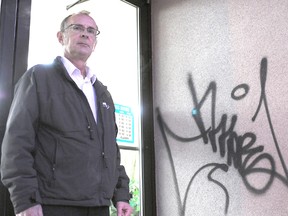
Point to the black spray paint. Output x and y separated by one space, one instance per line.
241 150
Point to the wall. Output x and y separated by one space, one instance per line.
220 96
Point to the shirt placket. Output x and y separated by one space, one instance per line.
87 89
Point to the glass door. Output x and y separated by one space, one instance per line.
115 60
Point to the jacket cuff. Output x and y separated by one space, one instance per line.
26 202
121 195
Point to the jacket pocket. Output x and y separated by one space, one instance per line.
46 159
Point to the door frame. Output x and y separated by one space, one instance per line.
14 48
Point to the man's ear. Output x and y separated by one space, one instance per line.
60 37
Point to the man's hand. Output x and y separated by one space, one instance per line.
124 209
33 211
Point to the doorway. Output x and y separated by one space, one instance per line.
122 59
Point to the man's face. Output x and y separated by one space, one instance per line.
77 44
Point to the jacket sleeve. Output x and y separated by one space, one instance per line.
121 192
18 146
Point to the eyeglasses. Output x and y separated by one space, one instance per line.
78 28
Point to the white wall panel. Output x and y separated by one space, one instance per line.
221 44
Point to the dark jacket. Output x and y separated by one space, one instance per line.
53 152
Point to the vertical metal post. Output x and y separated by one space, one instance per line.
14 39
8 18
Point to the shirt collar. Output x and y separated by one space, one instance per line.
71 69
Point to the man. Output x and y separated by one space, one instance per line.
59 152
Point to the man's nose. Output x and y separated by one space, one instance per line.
84 34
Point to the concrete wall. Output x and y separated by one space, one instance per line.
220 93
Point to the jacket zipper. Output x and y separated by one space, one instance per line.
90 129
54 162
100 105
